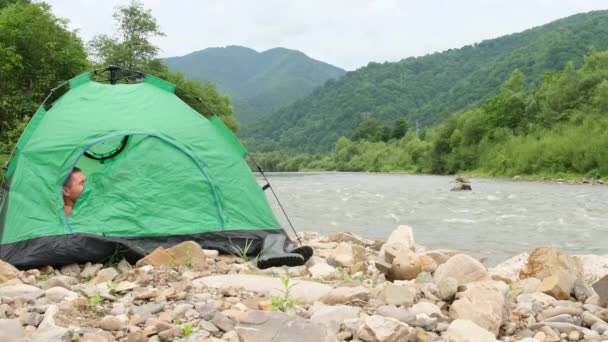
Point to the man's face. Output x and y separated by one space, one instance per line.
74 186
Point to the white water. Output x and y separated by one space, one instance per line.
498 219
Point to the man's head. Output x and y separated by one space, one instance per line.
74 185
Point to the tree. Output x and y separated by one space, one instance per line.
400 129
37 53
131 48
371 130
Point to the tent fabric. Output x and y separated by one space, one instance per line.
179 174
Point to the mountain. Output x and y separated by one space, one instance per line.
428 88
258 82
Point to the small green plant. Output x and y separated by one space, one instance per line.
112 285
177 322
286 301
95 300
241 252
114 259
187 329
43 277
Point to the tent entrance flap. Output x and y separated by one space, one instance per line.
152 186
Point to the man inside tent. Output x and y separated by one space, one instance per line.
72 189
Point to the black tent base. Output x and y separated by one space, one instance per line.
80 248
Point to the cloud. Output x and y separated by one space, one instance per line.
346 33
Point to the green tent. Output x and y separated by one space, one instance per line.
158 173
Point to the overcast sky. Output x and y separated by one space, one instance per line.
346 33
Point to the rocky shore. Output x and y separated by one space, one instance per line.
352 289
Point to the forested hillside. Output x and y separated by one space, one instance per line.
427 88
258 82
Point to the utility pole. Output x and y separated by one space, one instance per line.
417 129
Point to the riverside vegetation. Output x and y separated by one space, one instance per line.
352 289
558 130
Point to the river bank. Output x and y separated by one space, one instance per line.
352 289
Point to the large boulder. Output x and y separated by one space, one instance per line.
483 303
462 268
557 271
462 330
7 272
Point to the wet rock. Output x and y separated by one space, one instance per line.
59 294
10 330
461 330
398 295
347 295
463 269
482 303
333 316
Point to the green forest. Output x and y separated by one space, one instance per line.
558 129
428 88
38 52
258 83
